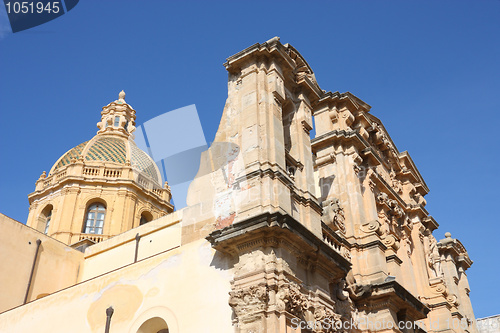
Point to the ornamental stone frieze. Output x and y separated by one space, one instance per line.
254 305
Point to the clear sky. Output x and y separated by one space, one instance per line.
430 71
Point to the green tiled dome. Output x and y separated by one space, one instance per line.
107 149
73 153
113 149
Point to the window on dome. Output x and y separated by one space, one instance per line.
117 121
47 223
44 219
95 219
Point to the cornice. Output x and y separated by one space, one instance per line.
92 182
381 294
304 76
276 230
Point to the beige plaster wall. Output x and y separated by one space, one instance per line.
57 265
182 286
156 236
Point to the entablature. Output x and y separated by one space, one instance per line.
279 230
392 294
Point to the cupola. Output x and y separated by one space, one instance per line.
101 187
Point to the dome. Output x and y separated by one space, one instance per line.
113 144
111 149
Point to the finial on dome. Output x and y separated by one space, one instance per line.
447 235
121 95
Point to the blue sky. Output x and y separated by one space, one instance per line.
430 71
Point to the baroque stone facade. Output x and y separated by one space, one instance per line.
282 232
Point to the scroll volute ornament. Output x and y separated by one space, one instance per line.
391 241
438 287
369 227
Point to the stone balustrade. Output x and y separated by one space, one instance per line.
81 170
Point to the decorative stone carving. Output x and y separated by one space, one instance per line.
357 170
246 302
453 299
396 183
371 226
333 214
395 209
390 241
346 253
408 244
341 293
290 298
372 185
324 315
438 286
433 258
382 198
419 199
421 233
356 290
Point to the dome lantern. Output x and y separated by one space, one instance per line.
118 118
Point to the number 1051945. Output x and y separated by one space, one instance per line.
32 7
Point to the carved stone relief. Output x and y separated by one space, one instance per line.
250 303
419 199
247 302
396 183
433 259
290 298
333 214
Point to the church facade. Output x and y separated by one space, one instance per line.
282 232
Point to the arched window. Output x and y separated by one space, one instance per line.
47 223
94 219
44 219
145 218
